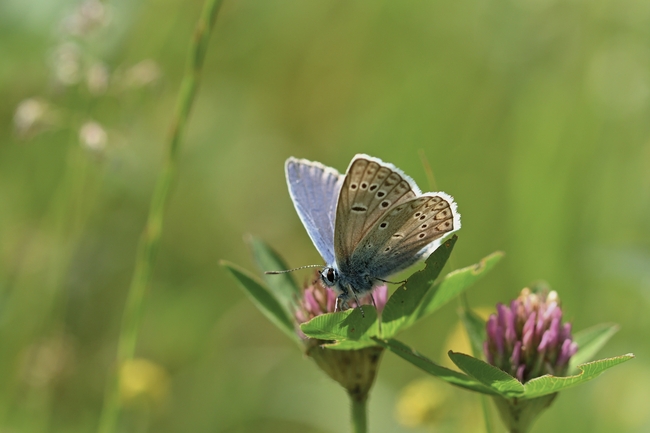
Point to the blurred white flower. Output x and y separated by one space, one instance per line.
93 137
97 78
142 74
32 116
44 362
66 63
90 15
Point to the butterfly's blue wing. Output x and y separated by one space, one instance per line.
314 190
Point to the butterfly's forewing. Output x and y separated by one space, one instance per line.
314 190
406 233
369 189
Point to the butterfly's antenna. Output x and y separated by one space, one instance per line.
427 170
291 270
391 282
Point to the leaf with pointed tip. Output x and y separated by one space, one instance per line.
397 318
551 384
509 387
262 298
489 375
424 363
475 327
590 341
456 282
406 299
344 325
283 286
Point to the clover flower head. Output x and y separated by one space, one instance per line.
527 338
318 299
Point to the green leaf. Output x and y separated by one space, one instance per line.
422 362
509 387
406 299
590 341
452 285
456 282
344 325
551 384
265 302
489 375
283 286
475 327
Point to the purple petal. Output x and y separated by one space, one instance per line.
528 331
569 348
331 301
300 316
499 340
491 328
520 372
381 296
488 354
554 331
565 332
311 304
516 354
502 313
546 341
510 332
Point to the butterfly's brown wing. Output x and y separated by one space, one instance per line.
370 188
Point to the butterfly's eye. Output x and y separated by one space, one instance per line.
329 276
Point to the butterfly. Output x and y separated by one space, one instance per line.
368 224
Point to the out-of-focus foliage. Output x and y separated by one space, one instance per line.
533 114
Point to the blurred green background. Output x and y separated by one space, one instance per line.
532 113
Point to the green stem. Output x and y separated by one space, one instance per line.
463 301
486 414
150 238
359 414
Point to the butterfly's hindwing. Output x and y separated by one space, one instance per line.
369 189
407 231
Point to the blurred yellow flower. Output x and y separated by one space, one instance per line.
421 402
141 378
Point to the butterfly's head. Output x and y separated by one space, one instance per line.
329 276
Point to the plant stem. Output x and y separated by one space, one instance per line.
486 414
359 414
150 238
463 301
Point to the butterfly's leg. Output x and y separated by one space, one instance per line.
357 299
